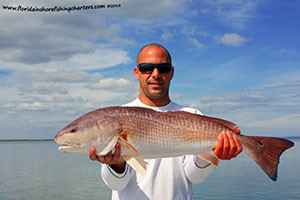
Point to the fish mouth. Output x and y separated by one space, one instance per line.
65 147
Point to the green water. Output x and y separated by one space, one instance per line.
36 170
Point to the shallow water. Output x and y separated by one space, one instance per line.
36 170
242 178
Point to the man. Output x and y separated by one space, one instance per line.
167 178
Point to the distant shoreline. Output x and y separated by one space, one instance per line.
26 140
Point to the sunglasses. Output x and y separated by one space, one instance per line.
148 68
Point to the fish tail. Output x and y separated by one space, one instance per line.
266 152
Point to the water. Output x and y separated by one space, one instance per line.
38 171
33 170
242 178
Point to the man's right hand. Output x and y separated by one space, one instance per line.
115 161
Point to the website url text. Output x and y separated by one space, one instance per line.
57 8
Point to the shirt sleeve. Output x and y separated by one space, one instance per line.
196 169
114 180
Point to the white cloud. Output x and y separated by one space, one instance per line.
232 39
41 38
42 88
63 105
166 35
35 106
89 105
113 84
231 104
58 86
53 61
285 122
176 96
45 37
67 99
54 75
232 13
8 105
58 91
196 43
100 59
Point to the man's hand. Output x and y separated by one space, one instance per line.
228 146
115 161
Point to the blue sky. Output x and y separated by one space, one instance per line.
238 60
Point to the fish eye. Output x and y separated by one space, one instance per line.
73 130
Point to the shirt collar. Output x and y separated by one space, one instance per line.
160 108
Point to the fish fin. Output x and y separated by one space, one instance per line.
211 158
109 147
267 153
226 123
125 144
138 164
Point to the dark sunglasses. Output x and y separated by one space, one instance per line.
148 68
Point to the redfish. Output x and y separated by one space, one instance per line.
144 133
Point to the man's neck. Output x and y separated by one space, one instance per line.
155 102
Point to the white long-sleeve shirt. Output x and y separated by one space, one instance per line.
166 178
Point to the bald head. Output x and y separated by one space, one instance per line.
153 50
154 86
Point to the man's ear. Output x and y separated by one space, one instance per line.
172 73
136 73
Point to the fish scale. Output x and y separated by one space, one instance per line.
145 133
177 129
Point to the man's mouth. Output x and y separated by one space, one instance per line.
155 83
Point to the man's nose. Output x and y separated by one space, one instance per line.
155 73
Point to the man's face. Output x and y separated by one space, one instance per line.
154 85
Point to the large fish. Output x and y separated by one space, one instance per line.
144 133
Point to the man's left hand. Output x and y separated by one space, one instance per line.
228 146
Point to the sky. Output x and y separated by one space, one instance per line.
236 60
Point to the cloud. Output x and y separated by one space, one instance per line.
283 122
196 43
97 59
166 34
231 13
271 99
45 37
35 106
70 63
90 106
43 89
54 75
283 125
41 38
72 86
56 91
114 85
232 39
232 103
176 96
141 10
67 98
100 59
